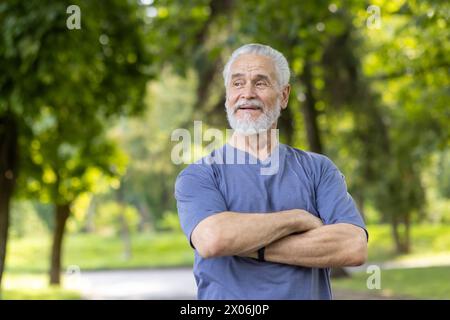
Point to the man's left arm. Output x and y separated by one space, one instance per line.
341 241
335 245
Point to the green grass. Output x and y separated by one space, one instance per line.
27 261
415 283
429 243
32 287
90 251
427 240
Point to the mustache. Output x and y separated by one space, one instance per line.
248 103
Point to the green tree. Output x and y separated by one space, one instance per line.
412 61
362 93
150 177
58 87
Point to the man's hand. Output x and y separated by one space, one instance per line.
233 233
335 245
306 222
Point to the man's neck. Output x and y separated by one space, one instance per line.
258 145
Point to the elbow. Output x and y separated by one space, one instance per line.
207 242
211 249
359 254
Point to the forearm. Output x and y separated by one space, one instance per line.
232 233
327 246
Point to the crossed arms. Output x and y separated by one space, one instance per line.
293 237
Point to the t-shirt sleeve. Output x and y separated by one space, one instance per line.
334 203
198 197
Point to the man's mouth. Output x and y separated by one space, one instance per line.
248 107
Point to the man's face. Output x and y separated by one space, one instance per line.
254 99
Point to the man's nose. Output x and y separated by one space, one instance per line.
249 91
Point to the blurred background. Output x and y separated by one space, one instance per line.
90 92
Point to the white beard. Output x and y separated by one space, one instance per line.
248 126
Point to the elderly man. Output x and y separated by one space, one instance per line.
266 236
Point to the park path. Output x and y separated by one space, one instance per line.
436 260
157 284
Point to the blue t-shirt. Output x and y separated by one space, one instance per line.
230 179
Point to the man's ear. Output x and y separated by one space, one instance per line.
285 96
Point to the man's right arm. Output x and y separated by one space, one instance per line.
232 233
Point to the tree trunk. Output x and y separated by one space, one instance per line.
407 240
359 199
286 126
309 111
125 234
404 246
395 233
124 229
402 240
62 213
89 226
312 132
145 217
8 174
4 224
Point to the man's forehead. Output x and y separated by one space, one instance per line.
253 63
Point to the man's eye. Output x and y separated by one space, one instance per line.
238 84
261 84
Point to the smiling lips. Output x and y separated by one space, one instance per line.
249 108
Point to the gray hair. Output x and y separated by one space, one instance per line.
281 64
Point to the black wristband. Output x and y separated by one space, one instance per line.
261 254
